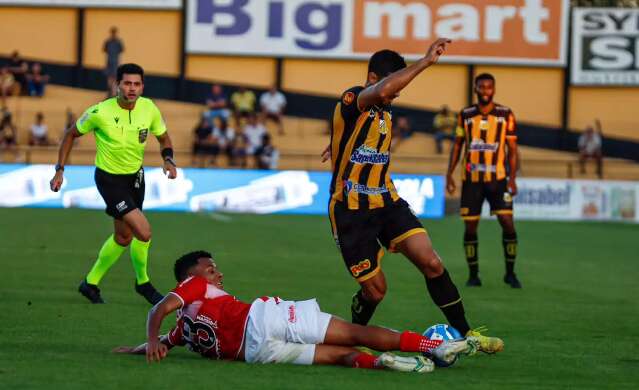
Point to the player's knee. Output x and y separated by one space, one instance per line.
144 235
123 239
374 294
430 263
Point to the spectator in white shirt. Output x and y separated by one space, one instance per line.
39 132
590 143
253 131
273 103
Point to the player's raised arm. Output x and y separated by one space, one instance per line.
390 86
155 349
63 154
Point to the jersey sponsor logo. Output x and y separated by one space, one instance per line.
142 135
368 155
121 206
383 129
363 189
480 168
348 98
479 145
291 314
360 267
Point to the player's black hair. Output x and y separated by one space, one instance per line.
182 265
129 69
385 62
484 76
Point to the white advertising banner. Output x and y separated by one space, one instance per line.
605 46
575 200
156 4
504 31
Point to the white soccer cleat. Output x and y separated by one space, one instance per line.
448 350
420 364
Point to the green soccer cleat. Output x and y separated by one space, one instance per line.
420 364
487 344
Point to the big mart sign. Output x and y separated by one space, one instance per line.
496 31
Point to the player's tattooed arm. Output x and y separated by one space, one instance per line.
155 349
389 87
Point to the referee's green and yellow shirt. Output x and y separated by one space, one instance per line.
121 134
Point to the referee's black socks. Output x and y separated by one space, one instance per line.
509 241
445 295
362 309
470 249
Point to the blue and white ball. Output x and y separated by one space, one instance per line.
442 332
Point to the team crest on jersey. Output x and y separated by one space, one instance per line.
142 135
348 98
360 267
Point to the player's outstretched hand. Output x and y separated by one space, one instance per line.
56 182
436 50
170 168
326 154
450 185
123 349
155 351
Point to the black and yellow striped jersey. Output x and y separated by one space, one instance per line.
485 142
360 146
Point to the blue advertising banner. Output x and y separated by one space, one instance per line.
207 190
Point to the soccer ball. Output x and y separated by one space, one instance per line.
442 332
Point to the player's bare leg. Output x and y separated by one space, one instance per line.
365 301
141 230
509 242
419 250
471 244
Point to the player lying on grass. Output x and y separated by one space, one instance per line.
271 330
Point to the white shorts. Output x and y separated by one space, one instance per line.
284 331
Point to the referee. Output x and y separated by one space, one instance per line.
121 126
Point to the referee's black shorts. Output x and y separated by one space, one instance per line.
121 193
360 234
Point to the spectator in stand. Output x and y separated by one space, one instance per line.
237 151
19 68
224 135
205 145
39 132
590 143
254 130
113 48
37 80
266 155
217 104
401 130
273 103
8 131
243 102
444 124
7 84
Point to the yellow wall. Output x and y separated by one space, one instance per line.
615 107
151 39
534 94
444 84
44 34
249 71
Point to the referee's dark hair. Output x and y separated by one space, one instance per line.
129 69
385 62
484 76
182 265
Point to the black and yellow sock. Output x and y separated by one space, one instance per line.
470 248
445 295
361 309
509 241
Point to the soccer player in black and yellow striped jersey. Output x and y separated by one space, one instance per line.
365 210
488 131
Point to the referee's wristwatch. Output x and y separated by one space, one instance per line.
59 167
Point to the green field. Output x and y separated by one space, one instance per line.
573 325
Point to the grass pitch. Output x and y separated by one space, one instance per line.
573 325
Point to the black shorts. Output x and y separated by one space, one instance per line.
360 234
473 195
121 193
